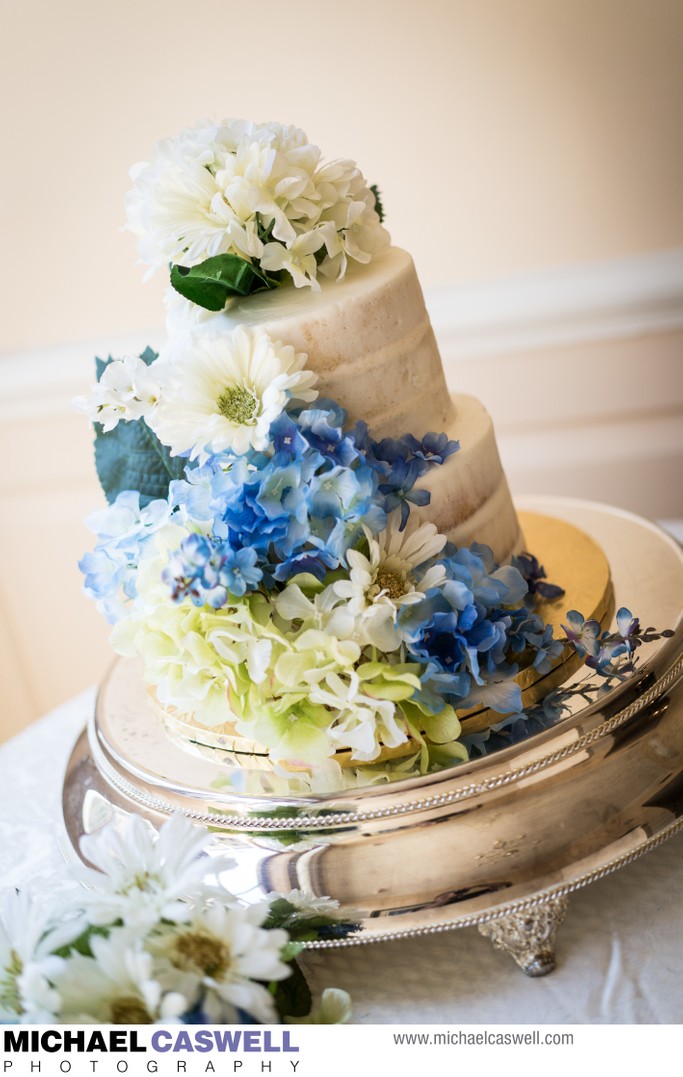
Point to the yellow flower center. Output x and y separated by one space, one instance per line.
9 991
195 951
391 582
238 405
129 1011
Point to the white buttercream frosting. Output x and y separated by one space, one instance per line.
369 340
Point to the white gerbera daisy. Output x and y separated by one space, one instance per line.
117 985
380 583
143 876
216 958
224 393
28 967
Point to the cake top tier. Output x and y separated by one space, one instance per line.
239 207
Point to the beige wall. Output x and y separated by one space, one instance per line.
506 134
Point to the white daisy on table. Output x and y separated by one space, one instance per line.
216 958
28 968
141 876
223 392
117 985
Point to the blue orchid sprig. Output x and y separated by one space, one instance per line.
535 575
610 654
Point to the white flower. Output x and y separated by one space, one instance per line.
28 968
117 985
143 877
215 959
307 904
124 523
364 723
173 207
128 390
380 583
298 258
224 393
255 190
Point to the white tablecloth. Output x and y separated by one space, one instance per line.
619 953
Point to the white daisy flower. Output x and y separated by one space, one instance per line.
384 580
128 390
28 968
224 393
216 958
117 985
143 876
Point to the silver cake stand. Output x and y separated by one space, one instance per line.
499 842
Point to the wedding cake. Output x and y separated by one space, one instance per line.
310 541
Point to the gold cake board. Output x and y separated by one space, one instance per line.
571 558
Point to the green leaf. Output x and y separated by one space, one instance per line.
217 279
81 945
378 202
131 457
292 996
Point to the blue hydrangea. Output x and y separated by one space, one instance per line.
209 572
123 530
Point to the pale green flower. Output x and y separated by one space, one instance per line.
294 729
333 1008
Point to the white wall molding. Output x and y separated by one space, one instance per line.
561 306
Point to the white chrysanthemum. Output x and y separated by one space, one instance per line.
224 393
117 985
216 958
142 876
173 207
380 583
248 189
28 968
128 389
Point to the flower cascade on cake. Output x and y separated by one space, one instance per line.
285 585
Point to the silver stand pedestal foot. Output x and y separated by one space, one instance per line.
529 937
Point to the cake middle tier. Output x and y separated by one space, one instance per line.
369 339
